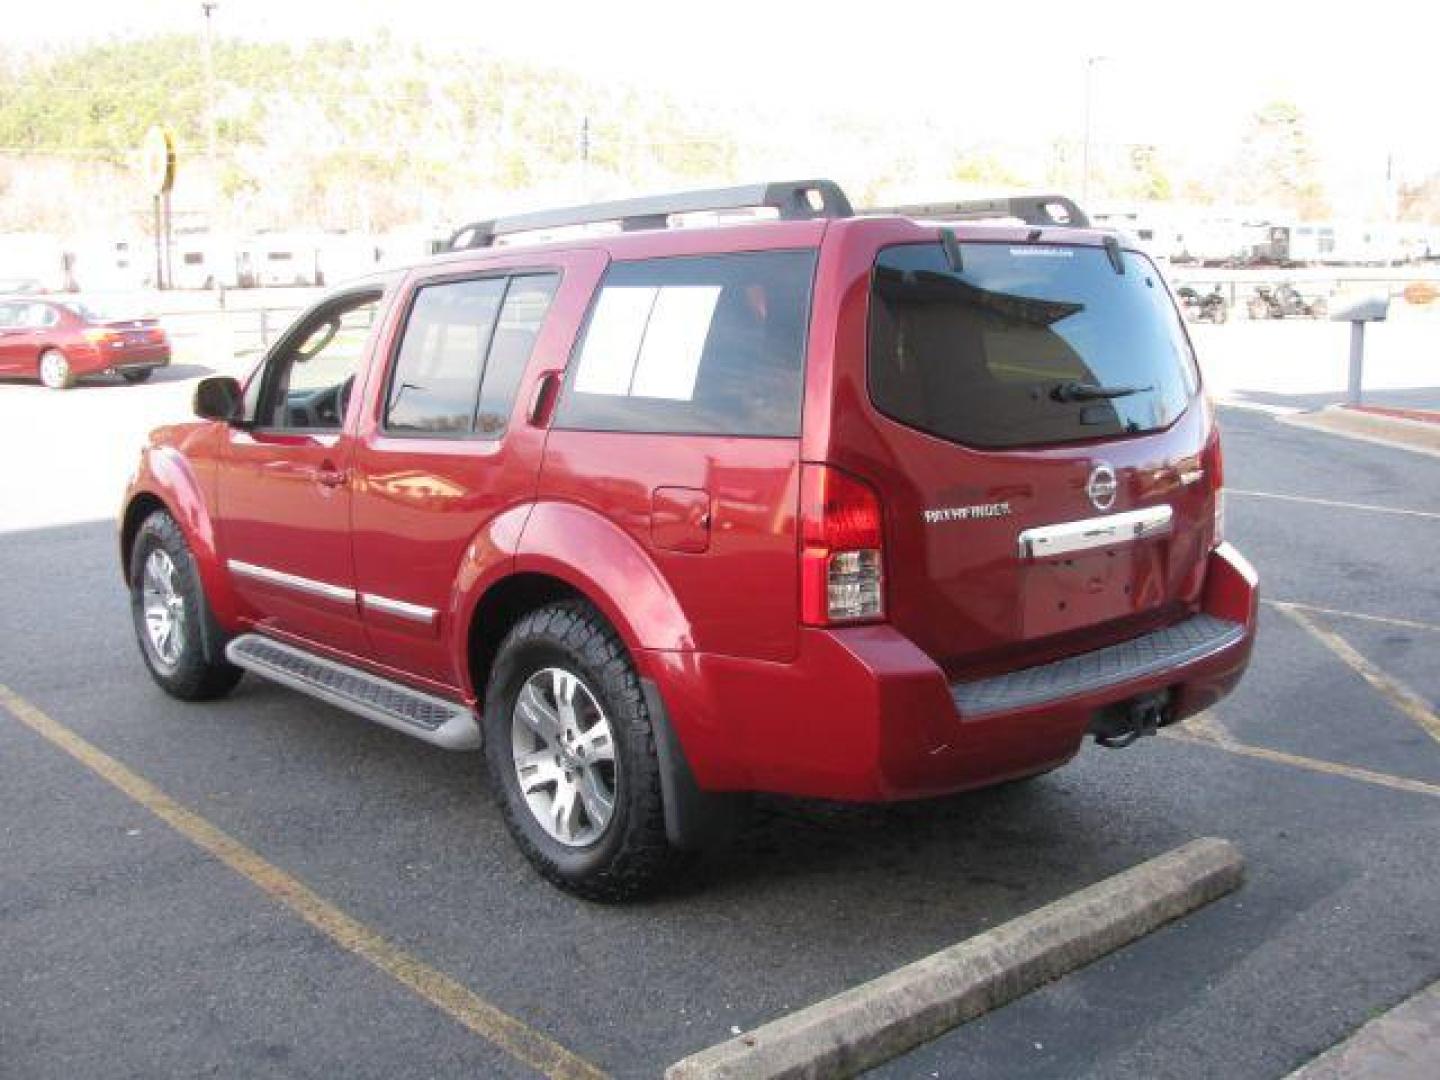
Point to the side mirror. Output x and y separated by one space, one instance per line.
218 398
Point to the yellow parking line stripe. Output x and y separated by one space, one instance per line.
1389 687
1329 768
1332 503
444 993
1385 620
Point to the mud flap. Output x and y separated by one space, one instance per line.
694 818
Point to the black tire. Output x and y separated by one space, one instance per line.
192 675
142 375
53 369
631 856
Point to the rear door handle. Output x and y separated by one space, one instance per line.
542 403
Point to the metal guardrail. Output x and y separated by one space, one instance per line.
251 329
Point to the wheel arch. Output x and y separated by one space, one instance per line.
552 551
141 505
166 481
501 606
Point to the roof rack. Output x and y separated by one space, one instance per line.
794 200
1039 210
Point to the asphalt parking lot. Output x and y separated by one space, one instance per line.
127 949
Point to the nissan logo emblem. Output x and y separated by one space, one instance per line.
1102 487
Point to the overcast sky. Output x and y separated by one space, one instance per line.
1175 74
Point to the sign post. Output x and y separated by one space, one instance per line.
1357 313
157 167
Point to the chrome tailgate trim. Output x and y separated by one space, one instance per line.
1087 534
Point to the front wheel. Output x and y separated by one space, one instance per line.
55 370
570 749
168 608
138 376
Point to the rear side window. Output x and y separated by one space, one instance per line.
526 301
708 345
1027 345
463 351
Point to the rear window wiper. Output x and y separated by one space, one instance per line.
1078 391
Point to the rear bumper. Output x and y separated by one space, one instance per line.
93 361
863 714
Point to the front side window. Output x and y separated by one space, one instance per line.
309 381
462 353
707 345
1025 345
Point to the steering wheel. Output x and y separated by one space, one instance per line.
320 408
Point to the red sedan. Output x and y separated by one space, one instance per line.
59 341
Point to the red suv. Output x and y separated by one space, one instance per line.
854 506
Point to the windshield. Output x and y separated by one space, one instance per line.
1027 345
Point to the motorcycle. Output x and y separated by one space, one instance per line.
1284 301
1207 307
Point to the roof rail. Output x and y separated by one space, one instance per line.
1039 210
794 200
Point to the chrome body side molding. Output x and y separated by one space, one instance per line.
401 609
338 593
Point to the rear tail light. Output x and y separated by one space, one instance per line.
102 339
841 559
1215 473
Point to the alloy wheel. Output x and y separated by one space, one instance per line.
564 753
164 607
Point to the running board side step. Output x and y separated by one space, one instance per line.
435 720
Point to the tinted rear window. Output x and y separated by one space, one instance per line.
707 345
1011 350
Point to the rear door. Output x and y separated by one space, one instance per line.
445 441
1043 433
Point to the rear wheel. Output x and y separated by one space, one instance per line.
137 376
570 749
169 611
55 370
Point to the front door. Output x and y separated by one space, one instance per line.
285 486
444 443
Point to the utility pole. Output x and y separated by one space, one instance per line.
585 159
1090 62
208 8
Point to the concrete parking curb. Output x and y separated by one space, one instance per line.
869 1024
1396 432
1401 1045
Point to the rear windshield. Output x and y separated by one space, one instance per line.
1026 345
103 312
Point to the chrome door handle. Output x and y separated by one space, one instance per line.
329 476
